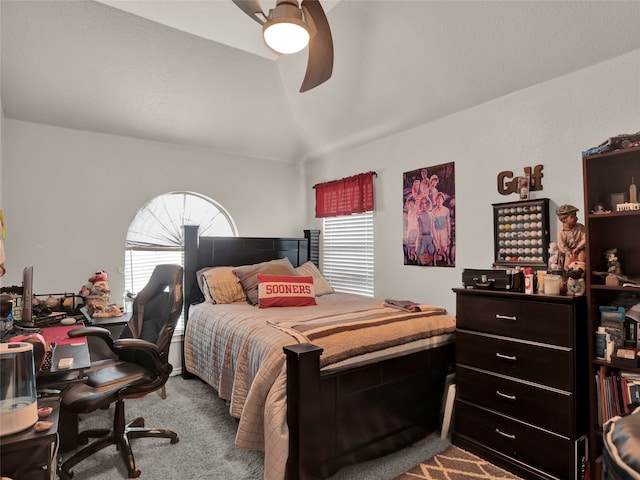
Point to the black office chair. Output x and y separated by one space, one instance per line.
621 447
144 368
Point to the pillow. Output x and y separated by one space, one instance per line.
247 275
221 285
201 285
320 284
285 291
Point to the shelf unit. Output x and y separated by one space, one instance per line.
603 175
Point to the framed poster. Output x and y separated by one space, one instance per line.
429 216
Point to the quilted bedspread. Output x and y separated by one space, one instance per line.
237 349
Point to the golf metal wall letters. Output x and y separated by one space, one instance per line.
507 183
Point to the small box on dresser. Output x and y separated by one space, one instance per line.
522 381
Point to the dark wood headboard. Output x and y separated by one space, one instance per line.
201 252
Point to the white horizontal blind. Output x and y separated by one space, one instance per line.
155 235
140 263
347 253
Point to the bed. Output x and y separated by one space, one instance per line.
304 387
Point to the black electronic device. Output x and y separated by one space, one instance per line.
490 279
27 295
87 317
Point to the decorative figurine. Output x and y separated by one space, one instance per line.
576 285
572 236
600 208
613 264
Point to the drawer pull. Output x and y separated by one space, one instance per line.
502 356
511 318
511 398
506 435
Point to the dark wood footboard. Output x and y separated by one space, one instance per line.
348 416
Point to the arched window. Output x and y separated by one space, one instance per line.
155 234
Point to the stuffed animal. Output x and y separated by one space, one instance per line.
576 285
97 295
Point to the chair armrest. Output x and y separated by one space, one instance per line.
97 332
82 331
153 357
135 344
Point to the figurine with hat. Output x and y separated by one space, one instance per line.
572 236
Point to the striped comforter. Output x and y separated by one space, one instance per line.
237 349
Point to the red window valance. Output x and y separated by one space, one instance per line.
346 196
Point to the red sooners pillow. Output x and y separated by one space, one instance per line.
285 291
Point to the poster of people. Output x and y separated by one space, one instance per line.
429 216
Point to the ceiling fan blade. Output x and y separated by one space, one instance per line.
253 9
320 64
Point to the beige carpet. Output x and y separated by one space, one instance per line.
456 464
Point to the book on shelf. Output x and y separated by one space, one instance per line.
616 392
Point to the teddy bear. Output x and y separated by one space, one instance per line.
576 285
97 294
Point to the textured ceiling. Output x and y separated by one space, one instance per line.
87 65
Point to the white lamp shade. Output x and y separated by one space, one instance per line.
285 36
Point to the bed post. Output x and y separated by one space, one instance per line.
189 282
314 246
303 411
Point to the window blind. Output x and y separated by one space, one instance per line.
347 253
139 265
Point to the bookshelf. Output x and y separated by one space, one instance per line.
604 176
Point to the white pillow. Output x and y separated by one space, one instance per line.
320 284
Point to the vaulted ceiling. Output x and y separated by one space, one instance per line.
196 73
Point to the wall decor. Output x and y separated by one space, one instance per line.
429 216
521 233
508 184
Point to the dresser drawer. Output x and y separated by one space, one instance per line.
537 321
533 362
549 452
543 407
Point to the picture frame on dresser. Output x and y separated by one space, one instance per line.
521 233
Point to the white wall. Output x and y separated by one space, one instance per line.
69 197
549 124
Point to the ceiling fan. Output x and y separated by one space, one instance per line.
308 22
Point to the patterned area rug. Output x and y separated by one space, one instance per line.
456 464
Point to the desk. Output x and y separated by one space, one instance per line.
29 455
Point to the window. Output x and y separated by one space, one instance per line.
347 253
155 234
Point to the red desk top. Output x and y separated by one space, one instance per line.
59 334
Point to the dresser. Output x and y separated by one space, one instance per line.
522 381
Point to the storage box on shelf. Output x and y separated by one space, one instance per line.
607 177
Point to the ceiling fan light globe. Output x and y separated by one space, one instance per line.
286 35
